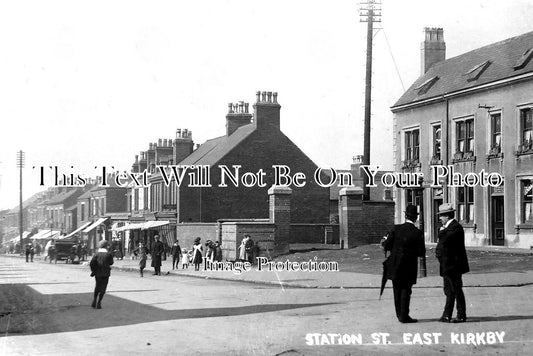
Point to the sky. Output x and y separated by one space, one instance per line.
85 84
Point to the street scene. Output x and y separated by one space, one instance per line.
266 178
48 312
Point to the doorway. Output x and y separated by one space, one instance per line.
435 218
497 221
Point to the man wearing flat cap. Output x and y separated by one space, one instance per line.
406 244
453 261
101 270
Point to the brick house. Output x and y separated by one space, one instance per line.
471 112
57 209
252 142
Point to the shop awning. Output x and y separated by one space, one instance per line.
40 234
150 224
95 224
47 234
79 229
17 239
58 236
132 226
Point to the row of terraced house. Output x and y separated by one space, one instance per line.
133 213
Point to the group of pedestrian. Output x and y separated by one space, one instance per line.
101 262
30 252
214 251
195 256
406 244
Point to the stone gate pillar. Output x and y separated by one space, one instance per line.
351 217
280 215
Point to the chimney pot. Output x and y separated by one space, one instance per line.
258 96
275 95
165 142
246 108
269 94
263 96
230 108
433 49
184 132
178 133
159 142
358 159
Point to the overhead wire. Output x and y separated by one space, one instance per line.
393 59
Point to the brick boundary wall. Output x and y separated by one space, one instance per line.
262 234
378 219
314 233
187 232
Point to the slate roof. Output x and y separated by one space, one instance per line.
72 207
62 197
88 194
452 73
212 151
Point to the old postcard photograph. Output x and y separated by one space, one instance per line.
266 177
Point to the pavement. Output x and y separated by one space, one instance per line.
330 279
325 279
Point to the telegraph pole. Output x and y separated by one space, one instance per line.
369 12
20 164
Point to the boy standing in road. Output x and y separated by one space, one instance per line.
101 270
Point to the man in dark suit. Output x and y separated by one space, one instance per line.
406 244
157 251
451 254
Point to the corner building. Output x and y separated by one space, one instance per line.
473 112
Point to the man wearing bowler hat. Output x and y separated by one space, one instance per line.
453 261
406 244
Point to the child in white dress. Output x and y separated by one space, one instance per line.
184 259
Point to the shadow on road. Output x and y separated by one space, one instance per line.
481 319
28 312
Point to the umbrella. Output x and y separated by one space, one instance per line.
384 276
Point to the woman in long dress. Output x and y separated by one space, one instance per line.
242 249
197 254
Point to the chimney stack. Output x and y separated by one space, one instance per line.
355 167
237 116
267 110
183 145
433 49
